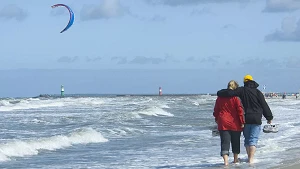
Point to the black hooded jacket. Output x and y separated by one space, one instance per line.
253 101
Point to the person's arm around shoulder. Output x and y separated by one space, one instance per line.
230 93
267 113
216 110
240 110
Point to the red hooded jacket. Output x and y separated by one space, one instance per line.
229 113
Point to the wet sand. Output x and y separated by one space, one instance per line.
295 164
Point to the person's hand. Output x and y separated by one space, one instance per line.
269 121
242 126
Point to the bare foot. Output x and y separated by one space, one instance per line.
250 161
236 161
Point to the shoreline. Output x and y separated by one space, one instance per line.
143 95
288 164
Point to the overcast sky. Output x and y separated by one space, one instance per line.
218 38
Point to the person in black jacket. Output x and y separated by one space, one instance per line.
255 106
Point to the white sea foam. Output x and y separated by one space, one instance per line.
29 147
25 104
155 111
163 131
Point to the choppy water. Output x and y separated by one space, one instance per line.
131 132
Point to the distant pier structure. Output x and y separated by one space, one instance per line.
159 91
62 90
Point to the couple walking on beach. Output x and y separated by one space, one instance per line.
240 109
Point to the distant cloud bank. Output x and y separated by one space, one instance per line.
13 12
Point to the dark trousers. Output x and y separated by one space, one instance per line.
227 137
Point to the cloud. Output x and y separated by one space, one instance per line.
202 11
13 12
147 60
170 58
292 62
260 63
112 9
152 60
282 5
290 31
175 3
59 11
154 18
120 60
191 59
229 26
210 60
144 60
108 9
90 59
67 59
158 18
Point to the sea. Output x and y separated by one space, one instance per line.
124 132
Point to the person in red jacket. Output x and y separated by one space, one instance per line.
229 115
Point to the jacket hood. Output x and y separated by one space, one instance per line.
251 84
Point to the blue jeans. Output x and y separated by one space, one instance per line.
251 134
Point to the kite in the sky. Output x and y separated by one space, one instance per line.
71 16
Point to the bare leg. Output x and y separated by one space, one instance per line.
251 152
247 150
236 159
225 157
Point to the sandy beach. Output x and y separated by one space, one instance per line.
289 165
296 166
